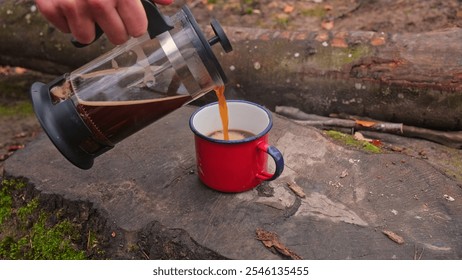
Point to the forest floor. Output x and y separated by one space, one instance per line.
18 125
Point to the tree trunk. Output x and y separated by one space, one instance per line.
415 79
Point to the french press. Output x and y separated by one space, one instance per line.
87 111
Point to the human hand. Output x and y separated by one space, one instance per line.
119 19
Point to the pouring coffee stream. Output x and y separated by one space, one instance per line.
223 108
89 110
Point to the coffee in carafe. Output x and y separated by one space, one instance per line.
86 112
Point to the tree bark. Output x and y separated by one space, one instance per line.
415 79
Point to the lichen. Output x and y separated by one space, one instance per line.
335 58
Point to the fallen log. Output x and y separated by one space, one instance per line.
414 79
408 78
451 139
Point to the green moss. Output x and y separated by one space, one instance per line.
317 12
350 141
20 108
43 243
13 184
6 202
336 58
25 212
6 199
327 58
27 232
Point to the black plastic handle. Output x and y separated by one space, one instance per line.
157 24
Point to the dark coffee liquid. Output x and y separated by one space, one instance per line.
114 121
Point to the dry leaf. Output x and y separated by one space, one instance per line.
365 123
288 9
376 143
344 174
339 43
327 24
393 236
378 41
19 70
322 36
360 137
271 240
328 7
296 189
14 148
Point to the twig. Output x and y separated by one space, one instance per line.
88 240
450 138
145 255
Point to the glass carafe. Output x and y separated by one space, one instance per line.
86 112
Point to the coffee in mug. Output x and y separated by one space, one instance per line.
233 134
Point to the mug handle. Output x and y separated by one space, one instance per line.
278 160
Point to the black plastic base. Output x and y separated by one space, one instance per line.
62 124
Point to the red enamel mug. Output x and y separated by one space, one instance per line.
235 165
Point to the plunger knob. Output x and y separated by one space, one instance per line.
220 36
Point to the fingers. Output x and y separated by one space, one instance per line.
69 16
48 9
133 17
119 19
80 22
107 16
